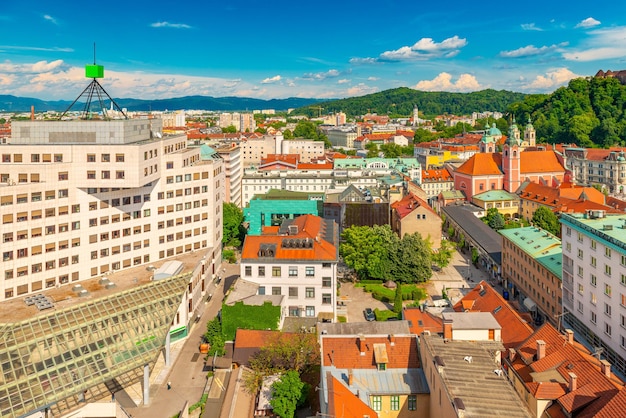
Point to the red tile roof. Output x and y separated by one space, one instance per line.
422 321
310 227
409 204
430 176
540 162
344 353
514 328
482 164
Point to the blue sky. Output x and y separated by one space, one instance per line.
313 49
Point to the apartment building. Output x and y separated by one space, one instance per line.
231 154
436 181
594 281
243 122
257 147
606 167
531 270
298 260
307 149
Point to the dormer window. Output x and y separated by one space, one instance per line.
380 356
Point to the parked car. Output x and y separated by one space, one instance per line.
369 314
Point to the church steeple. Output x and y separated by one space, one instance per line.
514 134
530 135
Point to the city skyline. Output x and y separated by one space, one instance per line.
153 50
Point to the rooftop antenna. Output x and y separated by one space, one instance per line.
94 93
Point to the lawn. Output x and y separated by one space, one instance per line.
384 294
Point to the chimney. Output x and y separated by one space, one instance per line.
572 382
362 344
350 378
541 350
605 368
447 329
512 354
570 336
392 340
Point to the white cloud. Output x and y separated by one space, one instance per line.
373 78
424 49
170 25
343 81
530 26
601 44
322 75
35 48
443 82
270 80
360 90
531 50
588 23
50 19
551 80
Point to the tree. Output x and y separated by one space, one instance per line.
229 130
545 219
397 302
233 230
365 250
286 392
491 213
215 338
410 259
443 255
496 222
422 135
287 134
372 150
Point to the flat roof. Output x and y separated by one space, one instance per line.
471 320
542 246
495 196
482 391
16 310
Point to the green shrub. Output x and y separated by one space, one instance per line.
342 318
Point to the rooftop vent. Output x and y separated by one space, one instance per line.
293 229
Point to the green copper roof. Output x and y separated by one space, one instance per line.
495 196
610 228
544 247
51 359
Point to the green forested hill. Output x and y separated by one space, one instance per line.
589 112
401 101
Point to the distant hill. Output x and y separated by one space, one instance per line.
23 104
589 112
400 101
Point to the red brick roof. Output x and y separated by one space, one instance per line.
430 176
409 204
309 226
344 353
514 328
482 164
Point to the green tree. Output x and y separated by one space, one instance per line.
233 230
215 338
286 393
287 134
496 222
443 255
366 250
372 150
410 259
397 302
423 135
229 130
491 213
545 219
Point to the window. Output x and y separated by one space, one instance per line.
607 289
607 309
326 281
607 252
310 311
261 271
623 300
276 272
293 271
276 290
395 403
261 290
594 280
593 261
309 292
377 403
580 253
593 317
106 158
607 270
310 271
412 402
594 299
248 270
293 292
326 299
580 288
607 329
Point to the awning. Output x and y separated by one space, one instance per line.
530 305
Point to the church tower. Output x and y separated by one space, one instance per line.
490 139
416 120
511 160
530 135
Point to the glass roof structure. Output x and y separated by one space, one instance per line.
58 358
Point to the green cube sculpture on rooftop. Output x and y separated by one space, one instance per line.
94 71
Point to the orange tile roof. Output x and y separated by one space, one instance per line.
540 162
315 166
342 402
514 328
441 174
422 321
482 164
408 204
344 353
249 338
616 203
592 194
547 390
309 226
614 407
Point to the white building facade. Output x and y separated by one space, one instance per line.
594 281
